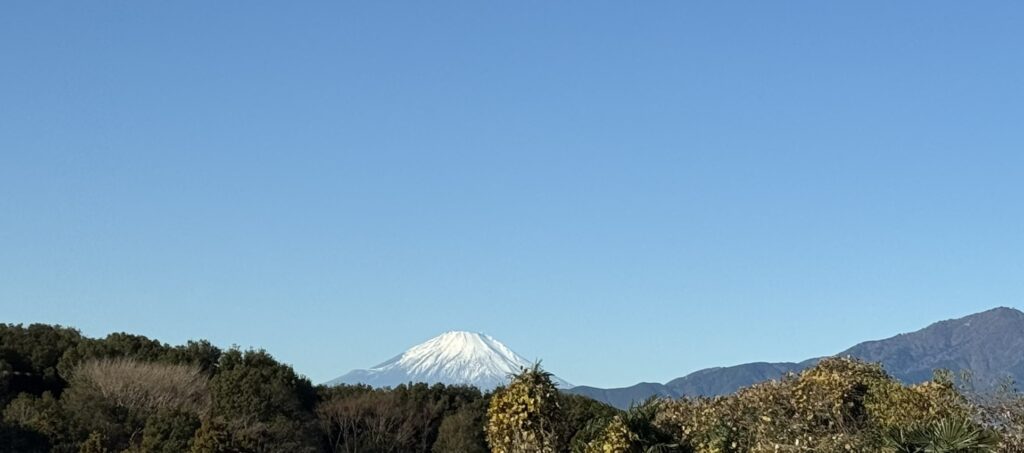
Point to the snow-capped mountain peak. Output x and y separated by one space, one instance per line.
454 357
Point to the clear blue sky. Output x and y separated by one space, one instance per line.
629 191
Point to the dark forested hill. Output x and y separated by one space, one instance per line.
990 344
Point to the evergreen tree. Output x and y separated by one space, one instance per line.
259 405
94 444
169 432
463 430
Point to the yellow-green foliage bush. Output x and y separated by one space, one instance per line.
895 406
635 431
840 405
616 437
526 416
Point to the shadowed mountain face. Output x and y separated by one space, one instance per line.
989 344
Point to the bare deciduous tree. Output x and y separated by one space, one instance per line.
369 422
145 386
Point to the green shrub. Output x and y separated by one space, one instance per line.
635 431
948 435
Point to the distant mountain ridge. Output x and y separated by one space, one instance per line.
454 357
990 344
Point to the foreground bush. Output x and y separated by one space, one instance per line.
635 431
949 435
840 405
527 416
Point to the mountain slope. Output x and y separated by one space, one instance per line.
623 397
990 344
454 357
723 380
707 382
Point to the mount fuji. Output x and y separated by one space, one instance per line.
454 357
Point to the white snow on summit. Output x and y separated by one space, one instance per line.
454 357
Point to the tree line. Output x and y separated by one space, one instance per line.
64 392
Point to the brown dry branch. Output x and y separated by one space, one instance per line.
145 386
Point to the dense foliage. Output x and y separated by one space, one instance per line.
62 392
527 416
66 393
839 405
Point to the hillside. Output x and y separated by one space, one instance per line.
989 344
